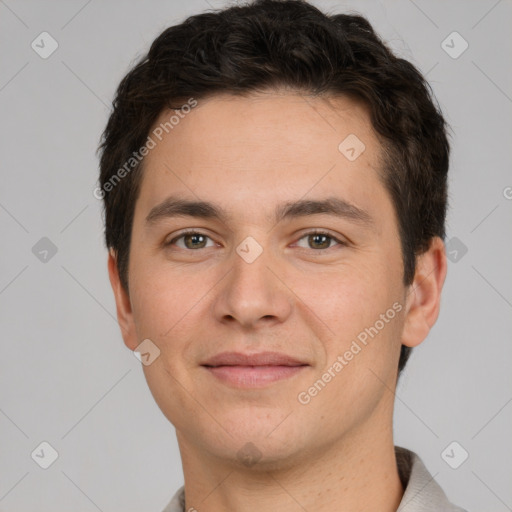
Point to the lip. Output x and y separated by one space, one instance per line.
256 359
253 370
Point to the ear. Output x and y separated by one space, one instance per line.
123 304
424 294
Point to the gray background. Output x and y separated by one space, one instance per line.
65 375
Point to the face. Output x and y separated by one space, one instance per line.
296 253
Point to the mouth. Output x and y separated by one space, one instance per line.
253 370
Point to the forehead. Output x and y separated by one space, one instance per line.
266 147
295 124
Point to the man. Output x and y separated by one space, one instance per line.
274 182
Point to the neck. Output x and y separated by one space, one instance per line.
358 472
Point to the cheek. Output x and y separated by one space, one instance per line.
349 298
361 309
161 300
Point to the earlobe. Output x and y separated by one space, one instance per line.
123 304
424 294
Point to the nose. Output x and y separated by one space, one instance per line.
253 294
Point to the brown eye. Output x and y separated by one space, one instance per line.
320 241
195 241
191 240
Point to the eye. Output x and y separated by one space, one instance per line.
319 240
191 240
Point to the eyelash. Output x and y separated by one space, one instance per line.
304 235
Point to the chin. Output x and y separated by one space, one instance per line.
269 445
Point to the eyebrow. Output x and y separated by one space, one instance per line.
178 207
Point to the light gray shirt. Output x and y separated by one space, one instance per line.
422 492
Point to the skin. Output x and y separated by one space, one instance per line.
248 155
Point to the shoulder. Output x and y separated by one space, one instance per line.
177 503
422 493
